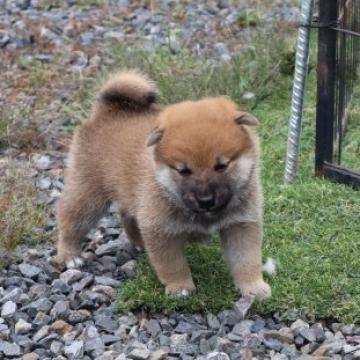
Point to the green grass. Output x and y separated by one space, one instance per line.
21 218
350 156
311 227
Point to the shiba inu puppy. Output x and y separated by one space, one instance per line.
179 173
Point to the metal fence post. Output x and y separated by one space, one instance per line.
326 78
301 68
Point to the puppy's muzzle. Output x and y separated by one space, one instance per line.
205 202
212 202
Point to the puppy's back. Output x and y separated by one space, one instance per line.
110 147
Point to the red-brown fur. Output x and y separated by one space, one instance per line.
130 151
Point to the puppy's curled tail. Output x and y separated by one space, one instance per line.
128 91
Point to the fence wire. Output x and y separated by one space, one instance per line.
338 64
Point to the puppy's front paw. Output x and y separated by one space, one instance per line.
182 289
258 288
69 262
75 262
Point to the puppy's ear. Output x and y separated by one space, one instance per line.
155 136
244 118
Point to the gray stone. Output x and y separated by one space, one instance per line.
91 332
10 349
112 231
252 341
75 350
117 35
4 40
106 323
213 322
273 344
60 309
114 208
225 345
319 332
44 58
243 305
96 344
200 334
229 318
41 333
299 340
110 339
12 295
83 283
22 327
129 268
284 335
308 334
217 356
139 354
39 290
109 248
128 320
348 349
153 327
31 356
56 347
43 304
78 316
348 330
41 319
8 309
243 328
258 325
107 281
185 328
179 339
107 290
70 276
59 286
3 328
87 38
121 357
160 354
44 184
164 340
221 48
298 324
290 351
233 337
42 162
329 349
204 346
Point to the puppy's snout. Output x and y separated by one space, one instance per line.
205 201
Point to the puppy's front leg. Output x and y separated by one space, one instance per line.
168 259
241 244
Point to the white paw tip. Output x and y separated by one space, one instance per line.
180 293
270 266
184 292
75 263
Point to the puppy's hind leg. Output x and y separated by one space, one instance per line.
79 209
131 229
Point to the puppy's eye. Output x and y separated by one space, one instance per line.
184 171
220 167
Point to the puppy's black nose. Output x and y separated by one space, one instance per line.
205 201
